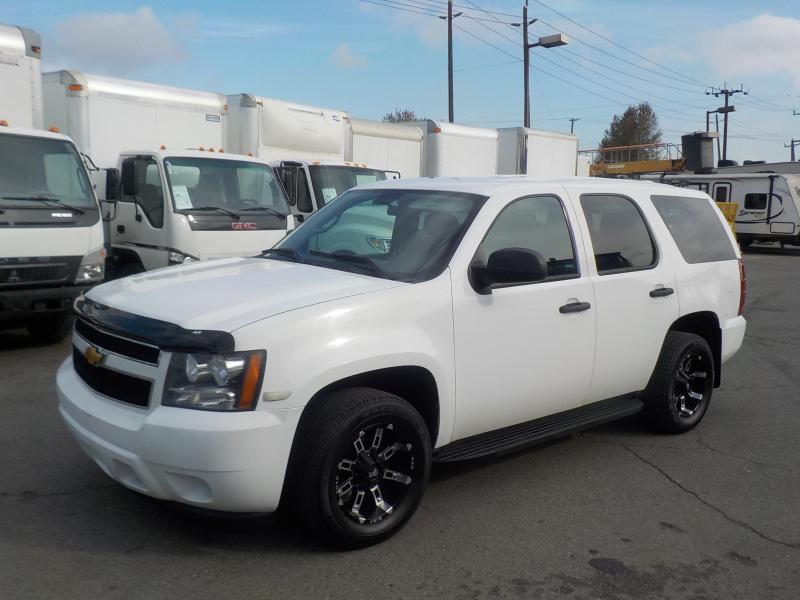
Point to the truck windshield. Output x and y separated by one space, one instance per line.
405 235
330 181
41 172
229 185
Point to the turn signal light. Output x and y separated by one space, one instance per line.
742 286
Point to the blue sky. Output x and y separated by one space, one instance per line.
369 59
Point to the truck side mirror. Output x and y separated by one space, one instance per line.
509 266
287 176
128 177
108 209
112 184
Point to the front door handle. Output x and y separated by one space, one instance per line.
574 307
661 292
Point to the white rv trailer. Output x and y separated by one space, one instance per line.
768 203
456 150
788 167
389 146
51 245
525 151
179 201
306 145
20 77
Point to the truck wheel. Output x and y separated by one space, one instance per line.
365 463
679 391
50 329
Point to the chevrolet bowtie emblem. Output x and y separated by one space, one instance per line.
93 356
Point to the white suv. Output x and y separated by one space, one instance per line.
479 316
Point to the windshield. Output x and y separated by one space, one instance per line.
42 172
330 181
406 235
231 185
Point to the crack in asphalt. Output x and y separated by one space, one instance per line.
27 495
718 510
752 461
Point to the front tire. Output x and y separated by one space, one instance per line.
679 391
50 329
364 467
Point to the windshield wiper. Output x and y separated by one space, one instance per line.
356 259
219 209
41 198
263 209
284 252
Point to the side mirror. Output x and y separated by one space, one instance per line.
128 177
108 209
286 175
509 266
112 184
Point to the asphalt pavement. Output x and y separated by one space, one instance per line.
616 512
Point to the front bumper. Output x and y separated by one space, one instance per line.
20 306
222 461
732 337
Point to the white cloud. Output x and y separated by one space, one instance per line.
192 25
118 43
764 45
344 58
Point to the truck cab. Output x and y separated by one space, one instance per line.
51 245
312 184
175 207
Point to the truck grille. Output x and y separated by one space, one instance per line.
117 345
116 385
24 272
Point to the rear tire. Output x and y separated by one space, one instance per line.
364 465
679 391
50 329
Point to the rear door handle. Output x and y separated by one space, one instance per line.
661 292
574 307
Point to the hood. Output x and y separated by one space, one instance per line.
229 293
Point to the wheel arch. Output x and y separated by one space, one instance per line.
706 325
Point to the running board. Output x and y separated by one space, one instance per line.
540 430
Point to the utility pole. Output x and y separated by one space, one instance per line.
572 124
450 16
791 145
728 108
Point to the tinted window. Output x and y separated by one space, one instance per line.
755 201
329 181
537 223
696 228
721 193
620 237
303 193
149 194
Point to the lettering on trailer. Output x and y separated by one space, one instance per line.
243 226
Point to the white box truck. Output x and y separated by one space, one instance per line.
51 240
180 199
525 151
388 146
305 144
458 150
20 77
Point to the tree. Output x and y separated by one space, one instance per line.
637 125
400 116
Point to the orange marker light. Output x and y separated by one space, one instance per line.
436 130
201 148
163 147
54 130
251 380
249 154
75 87
3 123
221 150
210 149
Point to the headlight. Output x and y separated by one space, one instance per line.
214 381
178 258
93 267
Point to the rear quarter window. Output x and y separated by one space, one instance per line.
696 228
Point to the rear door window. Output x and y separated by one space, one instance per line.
620 236
696 228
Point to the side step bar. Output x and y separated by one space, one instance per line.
540 430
